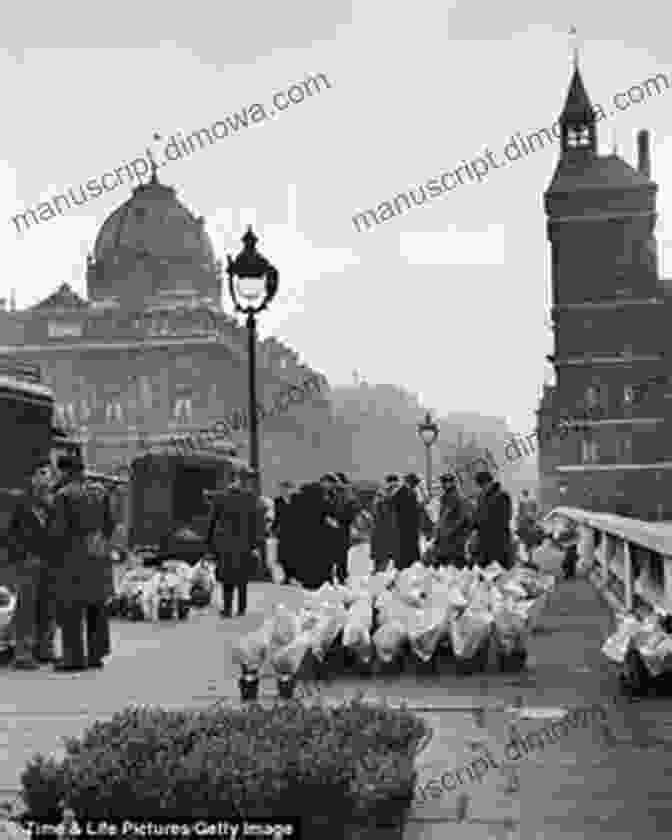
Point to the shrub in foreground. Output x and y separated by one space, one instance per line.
289 760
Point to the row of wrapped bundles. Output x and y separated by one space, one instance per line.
419 606
647 637
145 584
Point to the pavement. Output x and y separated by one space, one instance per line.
593 781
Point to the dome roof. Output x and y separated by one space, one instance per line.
153 222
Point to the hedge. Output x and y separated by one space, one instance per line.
292 760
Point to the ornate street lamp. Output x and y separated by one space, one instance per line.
428 432
253 283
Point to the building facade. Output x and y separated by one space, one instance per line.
151 353
605 425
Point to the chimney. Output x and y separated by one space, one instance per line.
644 156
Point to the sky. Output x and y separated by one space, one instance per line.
450 299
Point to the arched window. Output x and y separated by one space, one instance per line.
578 137
183 410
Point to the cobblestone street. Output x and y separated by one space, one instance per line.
596 782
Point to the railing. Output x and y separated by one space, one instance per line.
629 560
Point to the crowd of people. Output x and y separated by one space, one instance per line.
313 526
60 558
465 532
60 564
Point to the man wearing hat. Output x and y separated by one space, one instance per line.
346 513
83 566
385 540
492 522
28 552
331 526
283 528
409 518
236 533
453 526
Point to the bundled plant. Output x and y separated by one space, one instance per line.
292 760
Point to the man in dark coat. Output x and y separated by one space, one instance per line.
385 540
492 522
81 528
236 532
283 529
453 526
407 505
331 543
346 509
28 552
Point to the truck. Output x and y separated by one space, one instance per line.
171 494
26 417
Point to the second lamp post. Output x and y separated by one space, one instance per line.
429 433
253 283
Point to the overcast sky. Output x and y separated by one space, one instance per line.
450 299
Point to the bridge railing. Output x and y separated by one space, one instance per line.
629 560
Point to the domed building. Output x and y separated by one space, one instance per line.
153 248
151 354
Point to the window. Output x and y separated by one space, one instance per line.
71 414
60 329
592 397
182 410
625 448
114 411
578 137
589 451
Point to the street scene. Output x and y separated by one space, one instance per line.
300 533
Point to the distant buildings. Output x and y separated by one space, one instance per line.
605 441
151 353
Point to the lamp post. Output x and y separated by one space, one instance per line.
428 432
253 283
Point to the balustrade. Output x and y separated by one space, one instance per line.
629 560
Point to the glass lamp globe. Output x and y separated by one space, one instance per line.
251 289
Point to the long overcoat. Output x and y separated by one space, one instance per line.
409 517
236 528
493 523
79 577
314 556
27 537
285 531
452 528
385 538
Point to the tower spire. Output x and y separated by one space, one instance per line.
574 41
577 121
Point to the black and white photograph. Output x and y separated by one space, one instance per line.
336 421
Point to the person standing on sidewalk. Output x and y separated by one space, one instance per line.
84 579
453 526
527 527
346 512
492 522
385 540
236 532
28 548
283 529
409 516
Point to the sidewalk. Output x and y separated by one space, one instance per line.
591 783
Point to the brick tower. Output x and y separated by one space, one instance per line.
604 426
